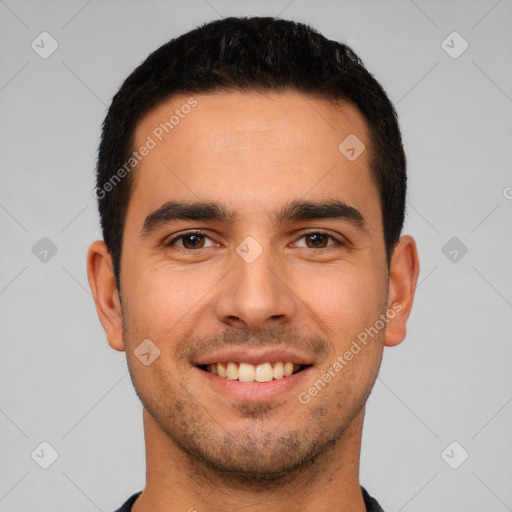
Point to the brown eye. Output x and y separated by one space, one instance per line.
317 240
192 240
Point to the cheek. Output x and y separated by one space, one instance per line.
345 298
159 298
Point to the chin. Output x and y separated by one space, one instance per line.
255 456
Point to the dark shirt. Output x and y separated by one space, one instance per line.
371 504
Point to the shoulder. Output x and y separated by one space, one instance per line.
127 505
371 503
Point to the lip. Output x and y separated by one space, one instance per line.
255 356
254 391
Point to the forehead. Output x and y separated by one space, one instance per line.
252 149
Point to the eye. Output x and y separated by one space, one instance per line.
190 240
318 240
196 240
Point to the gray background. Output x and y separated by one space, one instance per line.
449 381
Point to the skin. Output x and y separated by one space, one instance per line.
254 152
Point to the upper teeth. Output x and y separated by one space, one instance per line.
247 372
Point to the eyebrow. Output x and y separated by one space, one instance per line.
173 211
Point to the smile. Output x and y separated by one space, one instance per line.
247 372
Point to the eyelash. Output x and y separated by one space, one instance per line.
200 233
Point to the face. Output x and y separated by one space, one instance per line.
283 270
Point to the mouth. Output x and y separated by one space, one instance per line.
247 372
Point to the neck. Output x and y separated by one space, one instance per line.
175 482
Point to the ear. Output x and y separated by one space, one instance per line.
403 276
106 297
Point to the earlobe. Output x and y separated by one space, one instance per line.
106 297
403 276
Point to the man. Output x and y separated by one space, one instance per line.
251 187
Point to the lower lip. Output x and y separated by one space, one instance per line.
255 391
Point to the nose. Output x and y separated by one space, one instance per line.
257 294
